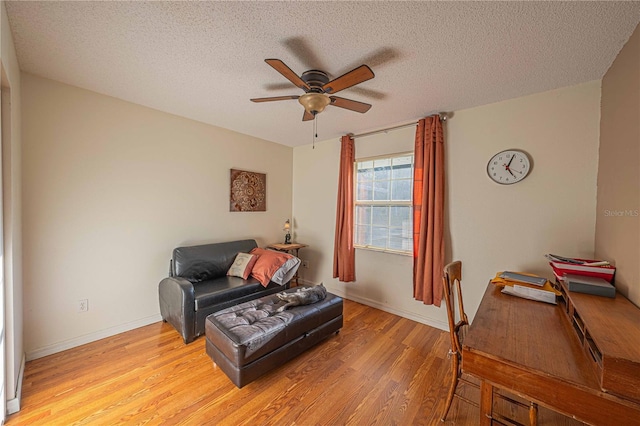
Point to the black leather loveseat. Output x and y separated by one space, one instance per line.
198 285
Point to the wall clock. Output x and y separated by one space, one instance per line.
508 167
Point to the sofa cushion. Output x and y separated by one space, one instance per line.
223 289
287 271
209 261
243 265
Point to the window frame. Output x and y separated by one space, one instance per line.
389 203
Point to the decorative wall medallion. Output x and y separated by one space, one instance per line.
248 191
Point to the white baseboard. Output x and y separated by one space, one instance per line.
91 337
13 404
386 308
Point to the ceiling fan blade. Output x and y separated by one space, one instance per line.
274 98
349 104
307 116
353 77
280 66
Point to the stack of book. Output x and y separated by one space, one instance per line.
585 267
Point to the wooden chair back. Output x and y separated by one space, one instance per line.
452 289
453 297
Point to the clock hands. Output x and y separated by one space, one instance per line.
507 168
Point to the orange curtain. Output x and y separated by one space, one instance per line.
344 253
428 211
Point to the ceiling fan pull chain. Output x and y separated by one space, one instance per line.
315 130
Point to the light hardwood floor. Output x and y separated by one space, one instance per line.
381 369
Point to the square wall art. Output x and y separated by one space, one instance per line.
248 191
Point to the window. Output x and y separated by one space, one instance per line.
383 218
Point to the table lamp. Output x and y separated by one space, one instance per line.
287 236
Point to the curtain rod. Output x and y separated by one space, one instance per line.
443 117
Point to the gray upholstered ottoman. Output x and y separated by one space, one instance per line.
250 339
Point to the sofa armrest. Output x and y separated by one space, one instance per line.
177 305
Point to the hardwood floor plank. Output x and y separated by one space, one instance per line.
380 369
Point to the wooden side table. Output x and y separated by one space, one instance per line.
292 248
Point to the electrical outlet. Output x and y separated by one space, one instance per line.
83 305
305 264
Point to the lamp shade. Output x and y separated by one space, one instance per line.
314 103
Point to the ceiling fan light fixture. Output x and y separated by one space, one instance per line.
314 103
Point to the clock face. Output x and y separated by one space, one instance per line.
508 167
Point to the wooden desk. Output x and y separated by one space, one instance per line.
530 349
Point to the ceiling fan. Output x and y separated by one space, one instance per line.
319 90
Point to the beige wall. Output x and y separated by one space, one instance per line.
11 213
490 227
618 211
110 188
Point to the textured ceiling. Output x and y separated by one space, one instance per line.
205 60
